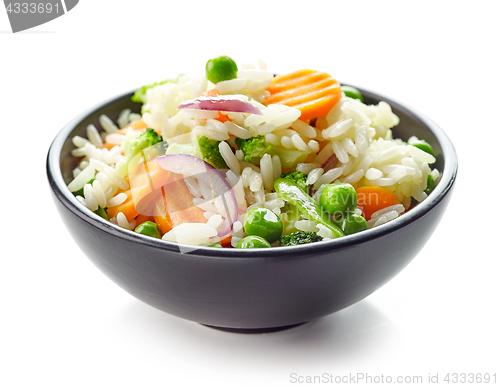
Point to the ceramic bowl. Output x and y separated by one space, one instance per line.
252 290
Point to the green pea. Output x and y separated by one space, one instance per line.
430 185
338 198
424 145
252 242
222 68
148 228
352 92
351 223
263 222
216 244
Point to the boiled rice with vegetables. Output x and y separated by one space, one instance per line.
201 155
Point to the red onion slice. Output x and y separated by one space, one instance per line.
330 163
189 165
223 103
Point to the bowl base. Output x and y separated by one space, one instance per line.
255 330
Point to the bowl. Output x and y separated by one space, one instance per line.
252 290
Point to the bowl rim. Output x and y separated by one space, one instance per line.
443 187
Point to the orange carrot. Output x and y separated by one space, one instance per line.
211 93
139 125
214 93
310 91
225 241
142 218
108 146
145 181
222 117
127 207
373 198
174 206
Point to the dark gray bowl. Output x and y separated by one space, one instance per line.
258 289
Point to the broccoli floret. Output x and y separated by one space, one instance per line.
299 238
210 152
298 177
102 213
134 145
254 147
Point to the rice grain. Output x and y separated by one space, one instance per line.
106 123
229 157
266 170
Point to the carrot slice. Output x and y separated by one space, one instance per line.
108 146
211 93
214 93
142 218
373 198
225 241
174 206
313 93
139 125
145 181
127 207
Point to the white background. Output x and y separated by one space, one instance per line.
63 323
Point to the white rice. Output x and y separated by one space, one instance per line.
359 136
117 200
328 177
266 167
79 142
107 124
314 175
276 167
94 136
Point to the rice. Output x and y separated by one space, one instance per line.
373 174
79 142
338 128
237 130
328 177
313 146
314 175
355 141
117 200
306 168
324 154
299 143
106 123
115 139
276 167
94 137
266 167
83 177
229 157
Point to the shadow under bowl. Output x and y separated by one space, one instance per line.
258 289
